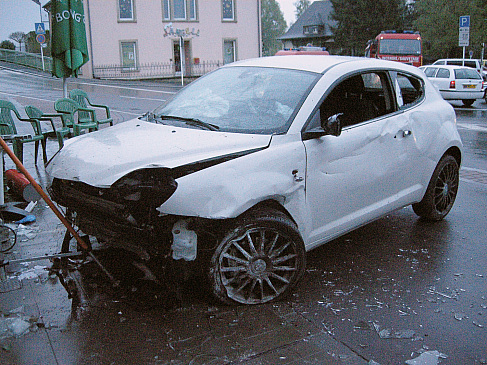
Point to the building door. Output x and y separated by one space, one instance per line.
229 51
186 55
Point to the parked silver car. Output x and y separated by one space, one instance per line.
456 82
254 164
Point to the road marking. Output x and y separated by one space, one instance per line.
473 127
136 97
102 85
473 175
52 101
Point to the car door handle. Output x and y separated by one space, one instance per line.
406 133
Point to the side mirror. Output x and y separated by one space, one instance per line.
332 126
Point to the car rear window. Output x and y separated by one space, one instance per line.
466 73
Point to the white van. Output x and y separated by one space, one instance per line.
473 63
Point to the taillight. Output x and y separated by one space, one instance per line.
452 84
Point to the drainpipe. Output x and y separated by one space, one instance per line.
259 26
91 38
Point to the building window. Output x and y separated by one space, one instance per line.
129 55
126 10
313 29
229 51
228 10
180 10
167 9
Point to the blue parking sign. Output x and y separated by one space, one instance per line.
464 21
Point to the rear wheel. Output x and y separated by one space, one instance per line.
441 192
468 102
261 258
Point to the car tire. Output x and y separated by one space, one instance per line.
441 192
260 258
468 102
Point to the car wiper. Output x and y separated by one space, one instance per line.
191 121
152 118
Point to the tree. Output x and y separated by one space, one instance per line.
438 23
32 46
301 6
18 37
7 45
273 26
361 20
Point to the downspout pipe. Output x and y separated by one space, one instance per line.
91 39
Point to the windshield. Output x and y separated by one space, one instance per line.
241 99
400 46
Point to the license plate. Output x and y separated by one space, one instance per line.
469 86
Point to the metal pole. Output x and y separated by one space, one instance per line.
40 44
65 87
181 56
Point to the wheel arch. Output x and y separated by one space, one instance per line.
270 204
456 153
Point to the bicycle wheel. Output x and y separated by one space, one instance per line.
8 238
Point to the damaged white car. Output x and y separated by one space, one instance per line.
256 163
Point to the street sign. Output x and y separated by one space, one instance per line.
463 38
41 38
464 21
464 31
40 29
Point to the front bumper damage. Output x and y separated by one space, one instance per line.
125 216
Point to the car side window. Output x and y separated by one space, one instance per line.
359 98
410 89
430 71
443 73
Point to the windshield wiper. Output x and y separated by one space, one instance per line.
190 121
149 116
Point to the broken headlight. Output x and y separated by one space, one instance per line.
151 185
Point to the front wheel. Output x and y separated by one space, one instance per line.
261 258
441 192
468 102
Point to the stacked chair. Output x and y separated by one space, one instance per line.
71 113
37 114
76 114
82 99
8 128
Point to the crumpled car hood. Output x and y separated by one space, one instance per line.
102 157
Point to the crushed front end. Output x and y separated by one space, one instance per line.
125 214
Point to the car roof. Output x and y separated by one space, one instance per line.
450 67
319 63
457 59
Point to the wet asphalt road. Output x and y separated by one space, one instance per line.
386 292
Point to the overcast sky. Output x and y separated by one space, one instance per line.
21 15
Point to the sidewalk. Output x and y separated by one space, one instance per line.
139 322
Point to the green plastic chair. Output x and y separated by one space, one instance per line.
70 110
37 114
81 97
7 127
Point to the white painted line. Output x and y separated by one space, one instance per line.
52 101
101 85
473 127
136 97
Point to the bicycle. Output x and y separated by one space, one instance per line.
8 238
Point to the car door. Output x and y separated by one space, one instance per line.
365 172
442 79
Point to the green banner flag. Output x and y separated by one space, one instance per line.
68 37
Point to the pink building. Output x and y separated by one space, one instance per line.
142 38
